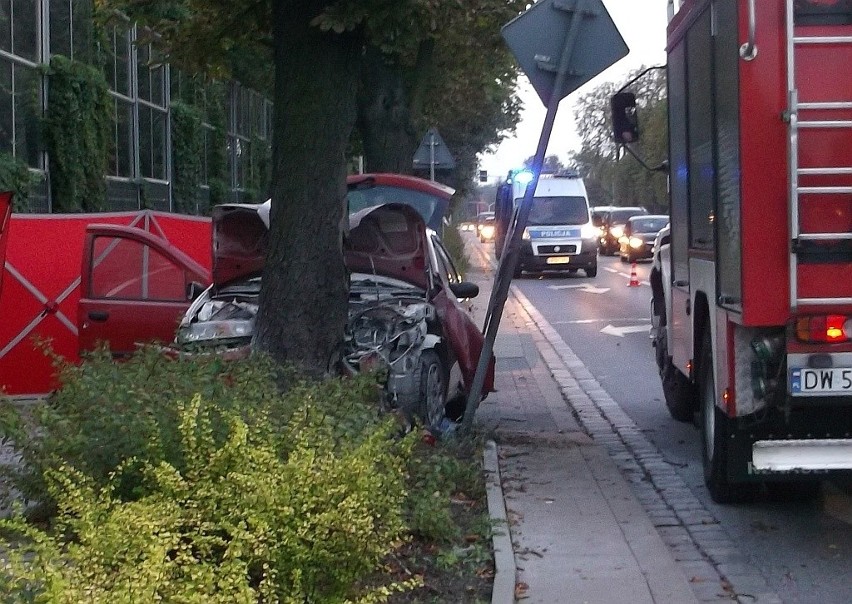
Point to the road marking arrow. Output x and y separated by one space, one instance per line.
584 287
620 331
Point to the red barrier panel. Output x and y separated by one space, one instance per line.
41 285
5 212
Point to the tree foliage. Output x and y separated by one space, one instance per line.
612 176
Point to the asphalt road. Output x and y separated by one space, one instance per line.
803 549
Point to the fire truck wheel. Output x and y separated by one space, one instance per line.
713 435
677 390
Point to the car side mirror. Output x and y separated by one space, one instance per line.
625 121
465 289
194 289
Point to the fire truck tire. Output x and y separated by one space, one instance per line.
677 389
713 435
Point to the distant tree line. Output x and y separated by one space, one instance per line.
613 176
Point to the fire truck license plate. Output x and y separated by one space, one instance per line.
805 382
559 260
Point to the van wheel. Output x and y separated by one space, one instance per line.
592 272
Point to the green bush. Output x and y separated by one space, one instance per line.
15 176
265 488
106 413
240 523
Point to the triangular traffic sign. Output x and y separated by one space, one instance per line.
441 159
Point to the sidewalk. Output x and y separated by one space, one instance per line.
578 532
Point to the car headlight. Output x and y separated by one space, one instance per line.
215 330
636 243
526 235
588 231
487 231
617 231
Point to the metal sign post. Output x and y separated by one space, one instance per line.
560 21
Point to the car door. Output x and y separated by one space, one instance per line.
134 288
5 213
465 338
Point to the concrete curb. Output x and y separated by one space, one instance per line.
505 571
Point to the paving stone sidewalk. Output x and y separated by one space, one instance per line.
578 531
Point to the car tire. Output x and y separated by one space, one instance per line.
433 390
678 391
592 272
518 272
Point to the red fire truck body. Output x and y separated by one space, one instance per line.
753 288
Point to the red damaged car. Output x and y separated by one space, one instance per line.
405 316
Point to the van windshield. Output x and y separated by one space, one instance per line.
558 210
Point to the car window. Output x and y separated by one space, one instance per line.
445 263
647 225
621 216
425 204
130 270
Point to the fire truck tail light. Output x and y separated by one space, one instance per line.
824 328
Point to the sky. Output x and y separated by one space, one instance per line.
642 24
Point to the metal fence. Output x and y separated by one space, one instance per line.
142 88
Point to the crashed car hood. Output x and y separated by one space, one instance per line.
240 240
388 240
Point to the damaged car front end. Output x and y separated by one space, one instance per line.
404 322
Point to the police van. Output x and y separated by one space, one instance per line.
559 235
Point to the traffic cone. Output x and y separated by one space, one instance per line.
634 280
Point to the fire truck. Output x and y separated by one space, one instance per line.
752 282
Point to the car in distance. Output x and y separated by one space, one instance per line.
613 227
487 229
637 242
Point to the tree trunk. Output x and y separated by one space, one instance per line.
384 117
303 302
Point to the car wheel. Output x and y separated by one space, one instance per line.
592 272
433 390
518 272
678 392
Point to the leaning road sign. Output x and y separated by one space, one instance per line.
537 39
560 45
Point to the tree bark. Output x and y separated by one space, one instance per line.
384 117
303 301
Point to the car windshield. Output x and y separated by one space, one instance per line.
648 225
558 211
621 216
